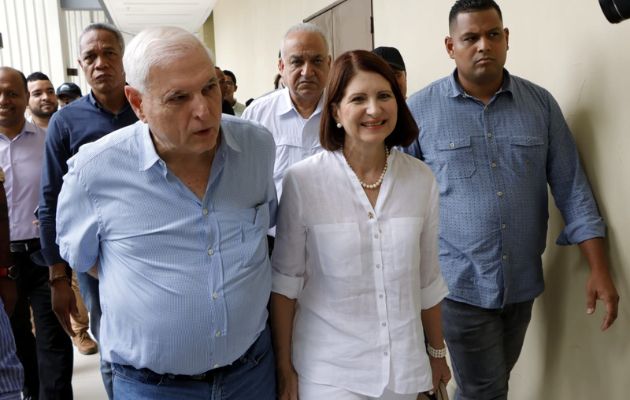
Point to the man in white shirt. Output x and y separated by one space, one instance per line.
293 113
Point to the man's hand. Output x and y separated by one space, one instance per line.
63 304
8 292
601 287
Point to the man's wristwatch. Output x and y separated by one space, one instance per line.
59 277
8 272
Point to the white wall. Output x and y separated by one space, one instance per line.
567 47
39 36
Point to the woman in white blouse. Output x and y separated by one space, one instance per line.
356 279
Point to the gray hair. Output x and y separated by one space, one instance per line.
102 26
157 46
304 27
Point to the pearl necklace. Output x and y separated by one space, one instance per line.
379 181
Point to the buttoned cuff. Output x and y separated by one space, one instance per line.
288 286
582 229
434 293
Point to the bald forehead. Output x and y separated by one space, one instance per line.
13 77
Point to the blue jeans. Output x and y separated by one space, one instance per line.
88 286
251 377
484 344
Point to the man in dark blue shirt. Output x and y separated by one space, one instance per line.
104 110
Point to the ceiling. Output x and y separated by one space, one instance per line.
131 16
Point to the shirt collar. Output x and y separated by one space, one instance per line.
149 156
96 104
456 89
28 127
286 105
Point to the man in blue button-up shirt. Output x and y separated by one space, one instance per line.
175 210
494 142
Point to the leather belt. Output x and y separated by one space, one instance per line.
25 246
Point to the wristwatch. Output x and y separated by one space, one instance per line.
8 272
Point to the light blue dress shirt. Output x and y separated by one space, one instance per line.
493 163
184 282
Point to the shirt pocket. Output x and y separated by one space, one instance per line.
243 234
528 155
457 157
338 249
406 238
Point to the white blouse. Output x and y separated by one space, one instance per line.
360 274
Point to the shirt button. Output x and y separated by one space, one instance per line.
380 296
215 366
493 164
370 215
503 226
383 323
505 257
205 211
215 295
376 236
500 194
378 266
218 334
489 134
385 353
451 145
210 252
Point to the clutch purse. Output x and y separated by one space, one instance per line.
439 394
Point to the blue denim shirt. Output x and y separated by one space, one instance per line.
80 122
493 163
184 282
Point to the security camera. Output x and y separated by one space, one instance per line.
615 10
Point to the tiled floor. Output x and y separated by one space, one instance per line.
86 379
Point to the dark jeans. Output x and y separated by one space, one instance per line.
88 286
251 377
484 344
46 356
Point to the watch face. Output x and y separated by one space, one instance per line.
14 272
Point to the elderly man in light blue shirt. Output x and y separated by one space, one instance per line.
174 211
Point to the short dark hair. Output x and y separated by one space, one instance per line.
346 67
37 76
231 75
466 6
102 26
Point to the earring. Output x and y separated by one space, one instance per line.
339 125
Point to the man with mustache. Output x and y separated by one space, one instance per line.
42 100
85 120
292 114
47 355
495 142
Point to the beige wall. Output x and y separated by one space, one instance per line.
567 47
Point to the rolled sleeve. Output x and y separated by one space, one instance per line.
288 286
289 255
434 288
77 224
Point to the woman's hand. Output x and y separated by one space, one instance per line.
440 371
287 383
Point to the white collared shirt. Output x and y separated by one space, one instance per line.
296 137
360 274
